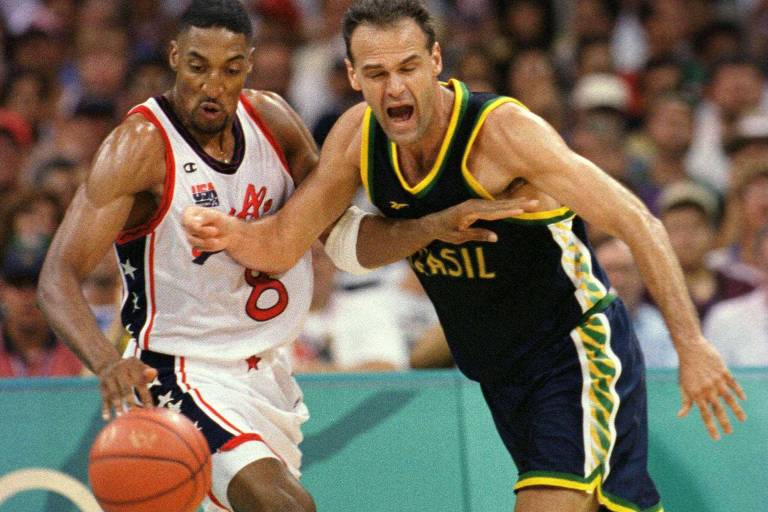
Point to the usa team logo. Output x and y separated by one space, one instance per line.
205 195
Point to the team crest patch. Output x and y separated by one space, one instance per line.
205 195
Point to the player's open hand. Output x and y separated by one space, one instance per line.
705 381
207 229
119 379
454 224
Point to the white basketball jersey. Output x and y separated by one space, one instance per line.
207 305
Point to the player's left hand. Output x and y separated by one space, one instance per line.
705 381
207 229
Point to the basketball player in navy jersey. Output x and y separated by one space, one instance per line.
208 335
529 316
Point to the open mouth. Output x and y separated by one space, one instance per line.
210 109
400 114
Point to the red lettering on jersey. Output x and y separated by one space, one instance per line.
252 203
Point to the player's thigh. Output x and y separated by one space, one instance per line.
267 485
549 499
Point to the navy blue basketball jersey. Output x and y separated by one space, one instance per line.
499 303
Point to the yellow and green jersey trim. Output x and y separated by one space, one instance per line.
592 483
366 151
477 189
460 101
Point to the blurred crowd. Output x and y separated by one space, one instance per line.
667 96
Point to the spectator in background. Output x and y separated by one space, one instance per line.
735 88
531 79
58 177
748 205
739 327
624 276
75 137
271 67
660 77
342 97
600 102
148 77
716 41
28 221
689 212
101 289
660 149
313 62
475 68
30 95
28 347
352 329
593 55
15 137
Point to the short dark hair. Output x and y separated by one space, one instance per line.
228 14
383 13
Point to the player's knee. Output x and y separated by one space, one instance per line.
267 486
278 500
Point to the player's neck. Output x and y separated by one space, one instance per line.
423 153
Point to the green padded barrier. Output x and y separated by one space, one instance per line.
419 441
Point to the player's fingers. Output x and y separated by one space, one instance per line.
149 374
494 210
733 404
706 416
720 414
476 235
144 395
204 244
686 407
112 395
735 386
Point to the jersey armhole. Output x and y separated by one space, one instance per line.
267 133
144 229
474 185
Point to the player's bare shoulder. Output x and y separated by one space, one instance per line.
346 135
288 129
516 138
130 160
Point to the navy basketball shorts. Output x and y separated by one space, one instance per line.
582 422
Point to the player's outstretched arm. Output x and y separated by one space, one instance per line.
130 160
275 243
382 241
553 168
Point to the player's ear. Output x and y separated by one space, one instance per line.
251 57
352 76
437 59
173 56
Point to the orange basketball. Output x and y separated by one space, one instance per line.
150 460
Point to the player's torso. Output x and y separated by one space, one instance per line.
496 301
207 305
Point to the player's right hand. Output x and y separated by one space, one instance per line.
208 229
453 225
118 381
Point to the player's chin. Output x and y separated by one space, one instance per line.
209 126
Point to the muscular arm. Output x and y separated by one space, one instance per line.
275 243
549 165
129 161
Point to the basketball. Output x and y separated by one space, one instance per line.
150 460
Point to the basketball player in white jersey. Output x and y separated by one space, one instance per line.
207 334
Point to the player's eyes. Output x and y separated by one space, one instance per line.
233 71
197 68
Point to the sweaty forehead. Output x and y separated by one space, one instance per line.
373 44
212 43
